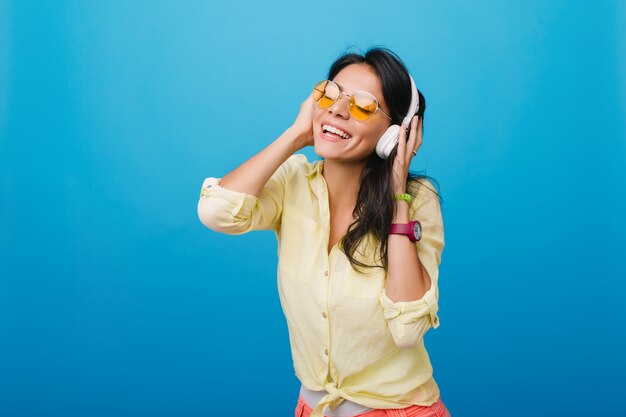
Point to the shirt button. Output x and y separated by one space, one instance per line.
326 352
324 314
326 273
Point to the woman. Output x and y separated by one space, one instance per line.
357 275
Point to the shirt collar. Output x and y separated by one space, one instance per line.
315 167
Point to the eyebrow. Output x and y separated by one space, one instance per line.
341 88
379 103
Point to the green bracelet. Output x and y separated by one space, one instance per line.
406 197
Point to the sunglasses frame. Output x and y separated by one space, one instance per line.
378 108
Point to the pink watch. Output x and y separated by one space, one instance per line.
412 229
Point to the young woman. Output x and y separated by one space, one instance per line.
359 240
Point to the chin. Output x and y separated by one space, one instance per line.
321 151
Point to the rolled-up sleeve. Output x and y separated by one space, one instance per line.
233 212
410 320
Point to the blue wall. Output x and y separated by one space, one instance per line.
115 300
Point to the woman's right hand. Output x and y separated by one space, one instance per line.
303 125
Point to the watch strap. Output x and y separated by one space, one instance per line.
404 229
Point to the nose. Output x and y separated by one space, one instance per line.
340 107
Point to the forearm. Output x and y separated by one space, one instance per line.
407 279
253 174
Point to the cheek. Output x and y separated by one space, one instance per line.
317 112
317 117
373 135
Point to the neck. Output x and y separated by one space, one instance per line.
343 182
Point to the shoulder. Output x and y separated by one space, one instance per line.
297 160
425 197
299 165
422 188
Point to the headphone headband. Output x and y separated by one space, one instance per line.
389 139
415 103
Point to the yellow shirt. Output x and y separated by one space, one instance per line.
347 337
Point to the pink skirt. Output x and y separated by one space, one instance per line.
438 409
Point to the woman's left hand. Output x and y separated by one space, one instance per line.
405 154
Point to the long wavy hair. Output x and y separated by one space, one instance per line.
374 210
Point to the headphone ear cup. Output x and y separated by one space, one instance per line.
388 141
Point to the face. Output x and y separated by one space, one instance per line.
363 135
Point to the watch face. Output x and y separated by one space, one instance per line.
417 230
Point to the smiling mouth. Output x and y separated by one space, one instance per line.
333 132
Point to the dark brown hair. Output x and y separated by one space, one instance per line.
374 208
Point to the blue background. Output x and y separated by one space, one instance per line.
116 300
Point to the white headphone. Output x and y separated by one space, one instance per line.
389 139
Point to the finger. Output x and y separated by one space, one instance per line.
401 142
418 136
412 140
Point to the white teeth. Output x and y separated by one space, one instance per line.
336 131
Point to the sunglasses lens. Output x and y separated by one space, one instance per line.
325 93
362 105
319 90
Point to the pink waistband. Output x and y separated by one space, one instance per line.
438 409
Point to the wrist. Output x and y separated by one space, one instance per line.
401 212
292 140
298 138
399 188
